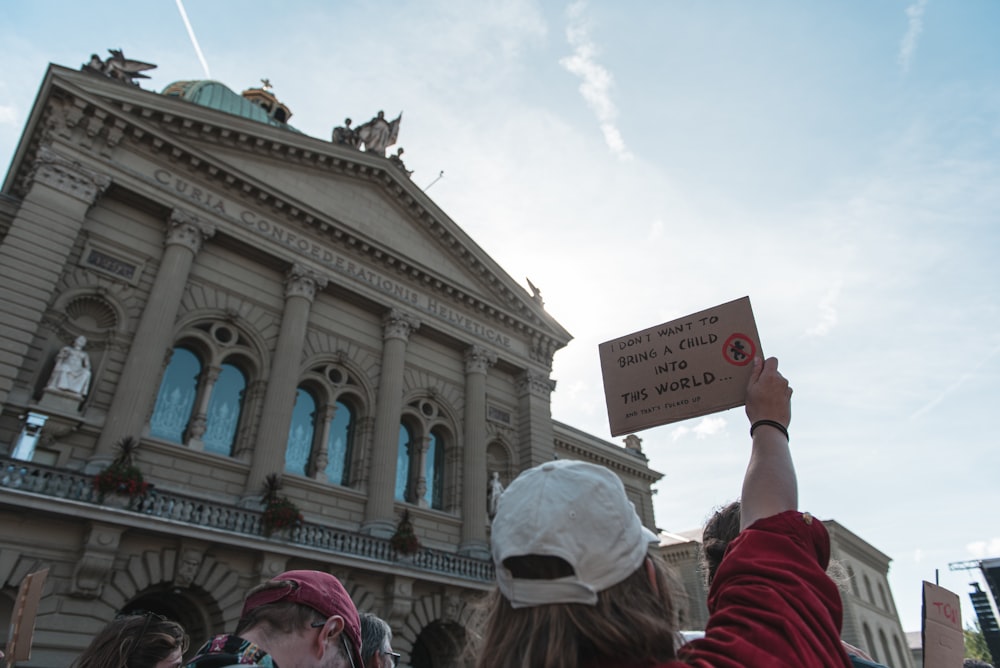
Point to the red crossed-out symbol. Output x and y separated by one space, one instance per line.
739 349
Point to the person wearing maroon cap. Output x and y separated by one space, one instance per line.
299 619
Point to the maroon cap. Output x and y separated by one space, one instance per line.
318 590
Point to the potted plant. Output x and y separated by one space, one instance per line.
121 477
280 512
405 541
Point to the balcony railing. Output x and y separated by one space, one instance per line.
59 483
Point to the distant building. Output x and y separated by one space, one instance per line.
254 301
871 621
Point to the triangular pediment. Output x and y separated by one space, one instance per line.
338 194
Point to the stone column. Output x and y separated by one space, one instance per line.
417 488
396 329
153 338
279 397
200 422
321 454
478 360
535 437
36 248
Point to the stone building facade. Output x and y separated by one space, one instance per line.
254 301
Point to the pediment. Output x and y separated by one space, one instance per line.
341 194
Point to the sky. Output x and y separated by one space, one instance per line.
837 162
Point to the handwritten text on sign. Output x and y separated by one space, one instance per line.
688 367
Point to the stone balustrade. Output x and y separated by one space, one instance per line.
30 477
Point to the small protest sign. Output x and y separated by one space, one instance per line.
695 365
941 631
22 619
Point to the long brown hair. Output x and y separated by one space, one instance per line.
631 623
133 641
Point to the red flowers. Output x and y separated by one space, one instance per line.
121 476
405 541
279 511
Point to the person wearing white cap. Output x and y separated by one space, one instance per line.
576 586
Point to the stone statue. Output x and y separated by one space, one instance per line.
378 133
72 369
345 135
493 495
397 159
119 67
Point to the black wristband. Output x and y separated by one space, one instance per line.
770 423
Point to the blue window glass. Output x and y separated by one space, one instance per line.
338 445
176 396
224 410
300 434
402 463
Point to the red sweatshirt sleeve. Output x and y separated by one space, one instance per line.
771 603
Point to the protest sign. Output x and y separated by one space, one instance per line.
941 631
695 365
22 619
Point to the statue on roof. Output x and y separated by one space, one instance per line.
345 135
378 133
397 159
118 67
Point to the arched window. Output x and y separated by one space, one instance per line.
339 445
175 400
224 410
854 581
868 590
870 642
403 462
882 597
899 650
886 657
301 433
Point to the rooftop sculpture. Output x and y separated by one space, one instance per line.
118 67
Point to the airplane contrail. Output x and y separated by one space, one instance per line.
194 40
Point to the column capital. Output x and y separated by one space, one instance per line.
301 281
188 230
479 359
67 176
397 324
538 384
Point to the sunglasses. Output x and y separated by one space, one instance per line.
394 658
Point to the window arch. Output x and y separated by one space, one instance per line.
886 657
869 641
899 650
202 395
854 581
868 590
882 598
422 456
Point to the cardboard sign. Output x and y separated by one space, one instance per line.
941 631
692 366
22 619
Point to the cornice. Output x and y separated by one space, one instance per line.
601 452
104 113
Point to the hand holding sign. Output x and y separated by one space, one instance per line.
684 368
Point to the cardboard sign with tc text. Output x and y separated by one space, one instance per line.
941 631
22 619
692 366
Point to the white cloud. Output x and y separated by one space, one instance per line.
8 115
708 426
596 81
908 47
827 311
982 549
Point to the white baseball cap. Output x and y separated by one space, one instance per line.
572 510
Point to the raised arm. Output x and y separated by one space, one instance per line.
769 486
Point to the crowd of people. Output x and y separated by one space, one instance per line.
577 585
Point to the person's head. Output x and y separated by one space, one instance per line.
376 642
722 527
80 341
575 582
303 614
136 641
